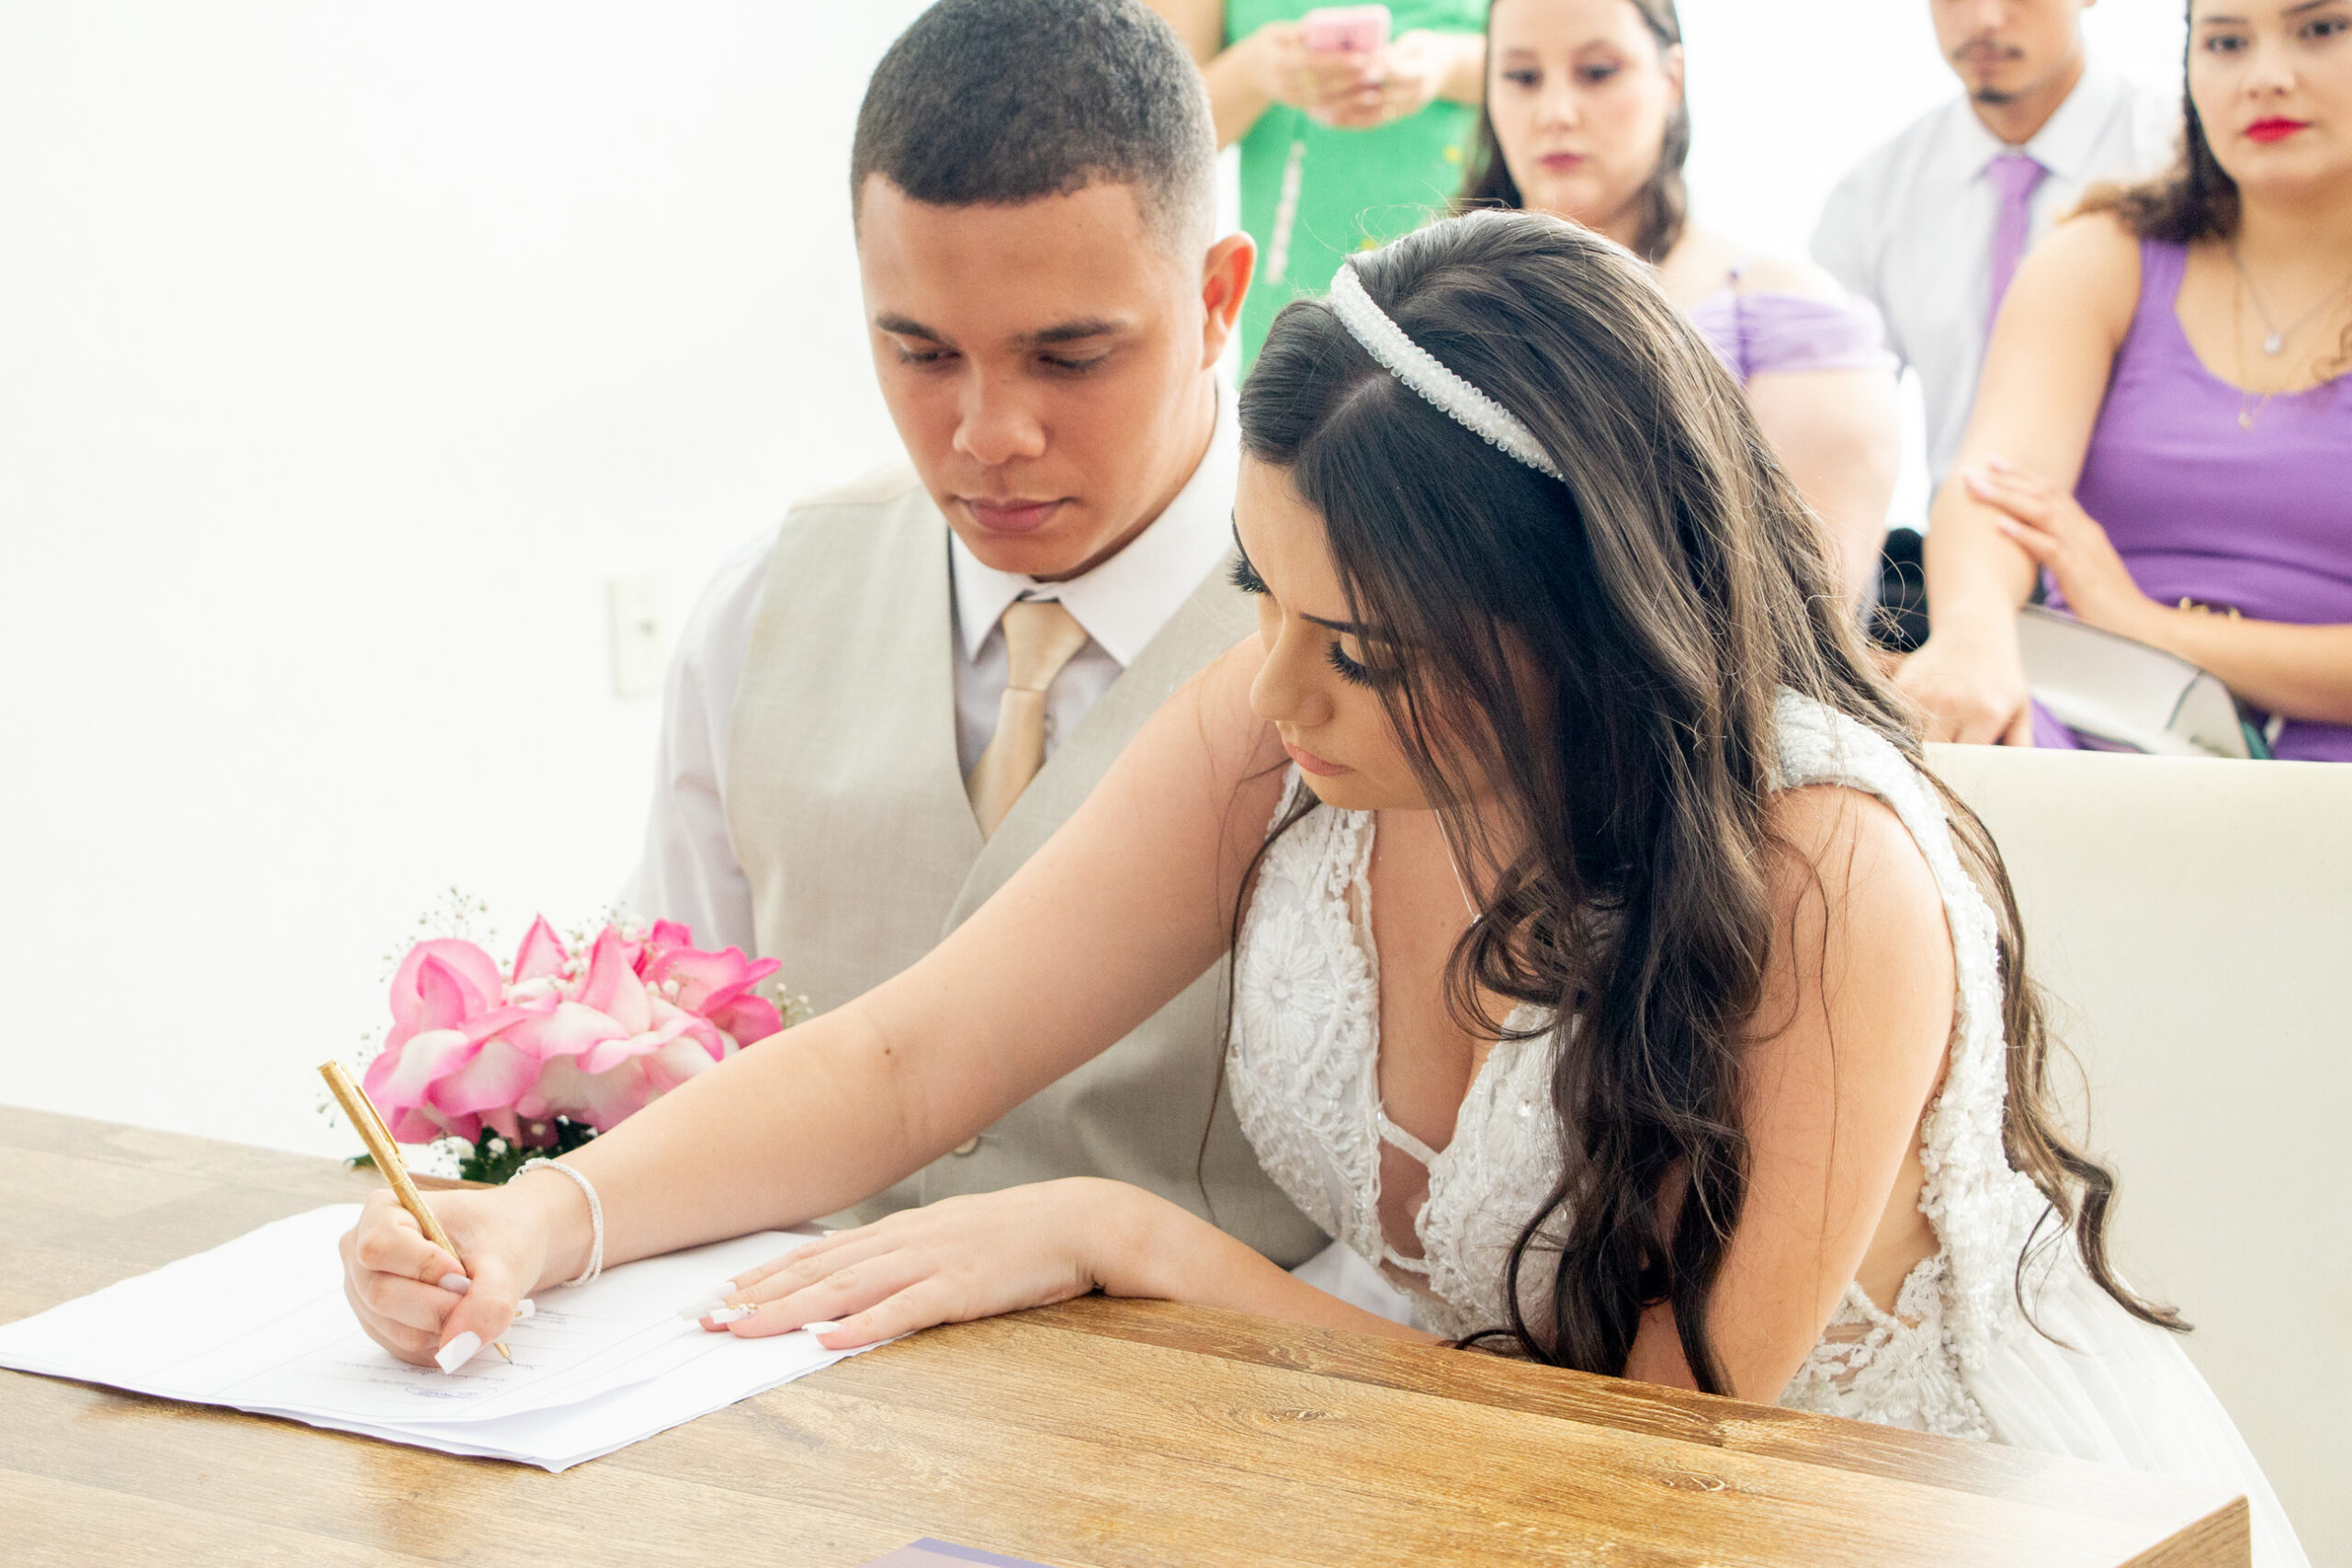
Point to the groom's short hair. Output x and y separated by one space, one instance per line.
997 103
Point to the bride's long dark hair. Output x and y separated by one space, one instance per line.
1617 644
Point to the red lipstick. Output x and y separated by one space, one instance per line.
2276 128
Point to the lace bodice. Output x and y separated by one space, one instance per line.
1303 1063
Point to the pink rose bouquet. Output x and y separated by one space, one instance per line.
564 1045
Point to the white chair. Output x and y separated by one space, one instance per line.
2193 920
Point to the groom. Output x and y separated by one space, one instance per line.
880 712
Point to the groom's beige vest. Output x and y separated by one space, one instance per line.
846 805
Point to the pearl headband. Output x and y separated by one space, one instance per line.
1421 370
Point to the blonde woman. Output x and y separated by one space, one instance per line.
1585 119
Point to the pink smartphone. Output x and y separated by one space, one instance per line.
1344 30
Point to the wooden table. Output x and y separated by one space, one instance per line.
1095 1433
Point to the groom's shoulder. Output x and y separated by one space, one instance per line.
860 519
847 531
886 484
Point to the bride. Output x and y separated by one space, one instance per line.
1606 969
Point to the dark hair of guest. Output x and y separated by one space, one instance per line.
1612 651
2195 199
998 103
1664 199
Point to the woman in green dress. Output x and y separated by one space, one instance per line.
1339 152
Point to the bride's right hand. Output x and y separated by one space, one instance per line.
412 1298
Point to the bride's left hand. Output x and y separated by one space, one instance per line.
2049 524
951 1261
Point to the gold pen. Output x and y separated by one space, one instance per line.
363 1115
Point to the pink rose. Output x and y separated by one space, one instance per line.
448 1002
470 1048
716 985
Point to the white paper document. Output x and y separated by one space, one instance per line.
261 1324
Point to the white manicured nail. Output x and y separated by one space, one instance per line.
730 1315
458 1351
695 1311
819 1327
455 1283
525 1308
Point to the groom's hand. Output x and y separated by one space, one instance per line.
949 1262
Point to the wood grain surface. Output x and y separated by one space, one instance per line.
1097 1433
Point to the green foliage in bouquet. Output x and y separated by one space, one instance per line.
493 1159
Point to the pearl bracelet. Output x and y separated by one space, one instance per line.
596 1218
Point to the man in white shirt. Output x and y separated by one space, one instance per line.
1929 227
882 708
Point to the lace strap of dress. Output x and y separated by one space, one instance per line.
1395 1135
1294 786
1982 1210
1338 855
1390 1133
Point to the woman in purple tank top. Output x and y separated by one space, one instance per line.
1584 118
2179 357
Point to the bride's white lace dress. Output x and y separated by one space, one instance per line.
1955 1354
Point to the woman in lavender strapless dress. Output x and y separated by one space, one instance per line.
1585 119
2182 352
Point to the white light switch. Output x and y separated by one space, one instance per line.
640 636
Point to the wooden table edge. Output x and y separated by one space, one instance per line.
1987 1469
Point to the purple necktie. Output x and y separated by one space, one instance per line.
2015 178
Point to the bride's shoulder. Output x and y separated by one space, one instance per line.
1206 746
1845 850
1858 948
1230 729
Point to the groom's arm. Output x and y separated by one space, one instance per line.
688 871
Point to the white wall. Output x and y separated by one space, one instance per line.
345 351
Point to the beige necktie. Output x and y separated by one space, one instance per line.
1040 637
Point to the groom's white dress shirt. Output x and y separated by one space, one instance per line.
1910 230
689 872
